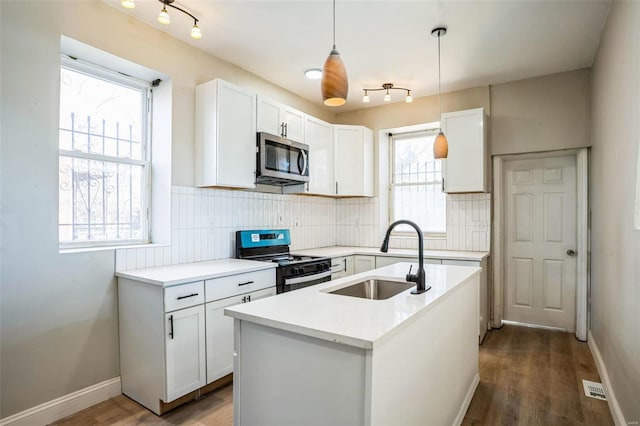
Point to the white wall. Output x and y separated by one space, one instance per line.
58 313
540 114
615 244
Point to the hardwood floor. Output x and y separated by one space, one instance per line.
531 376
527 377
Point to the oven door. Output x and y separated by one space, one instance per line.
306 281
282 159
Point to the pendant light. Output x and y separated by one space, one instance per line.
440 146
335 84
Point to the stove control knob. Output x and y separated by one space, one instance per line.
297 271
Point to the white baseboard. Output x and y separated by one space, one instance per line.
467 400
614 407
62 407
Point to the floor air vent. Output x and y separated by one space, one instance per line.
594 390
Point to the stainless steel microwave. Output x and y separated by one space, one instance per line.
281 161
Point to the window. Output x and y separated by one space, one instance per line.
104 166
416 183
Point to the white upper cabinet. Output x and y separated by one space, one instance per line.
281 120
225 122
466 167
319 137
353 161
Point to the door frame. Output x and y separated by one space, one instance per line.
582 233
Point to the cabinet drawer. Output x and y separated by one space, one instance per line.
183 296
220 288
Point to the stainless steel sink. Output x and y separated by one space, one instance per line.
374 289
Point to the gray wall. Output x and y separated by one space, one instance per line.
540 114
615 244
58 313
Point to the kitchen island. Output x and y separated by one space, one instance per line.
316 358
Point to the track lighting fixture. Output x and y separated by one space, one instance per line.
165 19
387 96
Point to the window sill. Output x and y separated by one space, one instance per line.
104 248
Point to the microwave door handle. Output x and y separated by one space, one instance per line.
303 172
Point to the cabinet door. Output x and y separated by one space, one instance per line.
220 333
484 307
294 121
353 165
319 137
466 166
225 130
390 260
185 351
268 118
364 263
236 137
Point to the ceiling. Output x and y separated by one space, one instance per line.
488 42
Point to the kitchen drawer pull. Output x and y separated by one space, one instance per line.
247 283
186 297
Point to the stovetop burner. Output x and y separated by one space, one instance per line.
293 271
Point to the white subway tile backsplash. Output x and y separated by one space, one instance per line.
204 222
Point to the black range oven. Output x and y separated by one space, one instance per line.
293 272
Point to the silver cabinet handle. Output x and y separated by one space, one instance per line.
247 283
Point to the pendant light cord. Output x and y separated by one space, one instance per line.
439 83
334 24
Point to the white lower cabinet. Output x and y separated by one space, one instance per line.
341 267
483 322
185 352
363 263
175 339
390 260
220 332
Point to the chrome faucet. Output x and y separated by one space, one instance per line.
418 278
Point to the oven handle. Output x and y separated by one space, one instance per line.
308 278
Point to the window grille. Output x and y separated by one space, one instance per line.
104 167
416 183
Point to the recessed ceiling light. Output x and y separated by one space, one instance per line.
313 73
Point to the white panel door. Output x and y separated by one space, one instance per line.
540 239
185 352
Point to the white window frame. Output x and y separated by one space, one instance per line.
109 75
432 128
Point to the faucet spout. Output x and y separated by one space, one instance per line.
420 277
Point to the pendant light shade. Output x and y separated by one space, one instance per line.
335 83
440 145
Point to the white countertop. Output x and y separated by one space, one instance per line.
350 320
337 251
166 276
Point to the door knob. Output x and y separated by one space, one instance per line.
571 252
